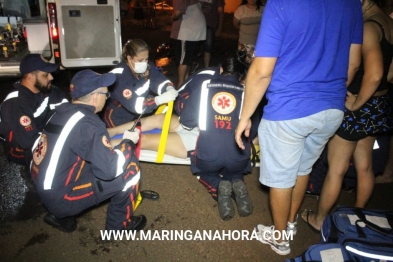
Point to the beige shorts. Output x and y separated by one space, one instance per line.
189 137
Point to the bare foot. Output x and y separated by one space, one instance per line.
309 217
383 179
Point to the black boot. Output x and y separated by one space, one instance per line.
136 223
67 224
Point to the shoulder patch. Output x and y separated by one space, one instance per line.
223 103
106 142
25 120
40 150
127 93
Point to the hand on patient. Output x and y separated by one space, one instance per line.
132 135
166 97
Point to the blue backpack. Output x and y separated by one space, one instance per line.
332 252
366 234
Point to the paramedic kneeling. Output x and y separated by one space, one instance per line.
217 160
76 167
28 107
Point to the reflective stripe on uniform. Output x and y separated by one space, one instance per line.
120 162
203 105
143 89
36 142
184 86
206 72
117 71
161 86
41 108
52 106
139 105
50 173
12 95
133 181
241 106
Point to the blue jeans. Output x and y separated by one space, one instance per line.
290 148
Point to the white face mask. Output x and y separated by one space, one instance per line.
140 67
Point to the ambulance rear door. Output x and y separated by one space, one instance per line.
85 33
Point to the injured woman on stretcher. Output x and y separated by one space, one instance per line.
176 135
178 142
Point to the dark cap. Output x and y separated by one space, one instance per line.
34 62
86 81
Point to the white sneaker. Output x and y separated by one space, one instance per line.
292 227
265 235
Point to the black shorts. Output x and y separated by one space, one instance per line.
209 42
185 51
372 118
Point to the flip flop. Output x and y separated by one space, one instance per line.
150 194
308 211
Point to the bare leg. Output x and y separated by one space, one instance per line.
280 204
116 141
364 168
148 123
112 131
298 193
157 121
387 176
339 154
206 59
174 146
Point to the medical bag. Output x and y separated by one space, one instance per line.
331 252
366 234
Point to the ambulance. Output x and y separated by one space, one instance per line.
76 34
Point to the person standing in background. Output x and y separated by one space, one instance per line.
188 29
247 19
213 10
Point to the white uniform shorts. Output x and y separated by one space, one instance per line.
189 137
